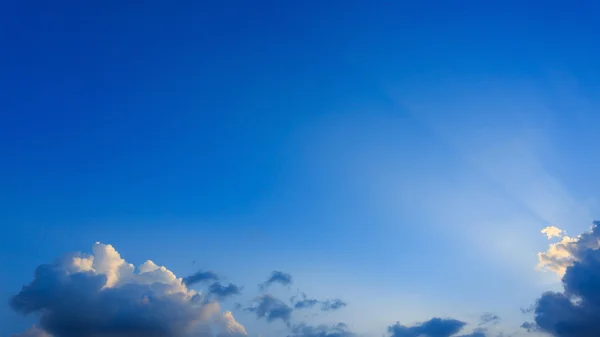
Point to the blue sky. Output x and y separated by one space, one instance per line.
400 157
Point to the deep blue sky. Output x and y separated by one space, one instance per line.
402 156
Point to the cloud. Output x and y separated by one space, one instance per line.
435 327
220 291
282 278
338 330
331 305
476 333
552 231
199 277
34 331
304 303
564 253
576 310
307 303
101 295
530 327
489 318
229 326
272 308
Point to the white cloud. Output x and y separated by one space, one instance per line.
552 231
229 326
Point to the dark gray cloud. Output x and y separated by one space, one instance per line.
574 312
489 318
272 309
200 277
280 277
435 327
221 292
338 330
334 304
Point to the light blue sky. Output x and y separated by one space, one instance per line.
403 158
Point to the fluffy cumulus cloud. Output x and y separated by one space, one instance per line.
280 277
101 295
575 311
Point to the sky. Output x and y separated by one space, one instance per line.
299 168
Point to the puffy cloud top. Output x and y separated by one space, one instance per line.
564 253
552 231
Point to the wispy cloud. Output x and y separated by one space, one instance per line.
280 277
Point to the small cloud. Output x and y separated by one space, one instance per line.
489 318
331 305
199 277
338 330
304 303
280 277
271 308
438 327
528 310
552 231
220 291
530 327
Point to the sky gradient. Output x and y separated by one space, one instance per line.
297 165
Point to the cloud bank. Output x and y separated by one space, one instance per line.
101 295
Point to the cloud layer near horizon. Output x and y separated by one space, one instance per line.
101 295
